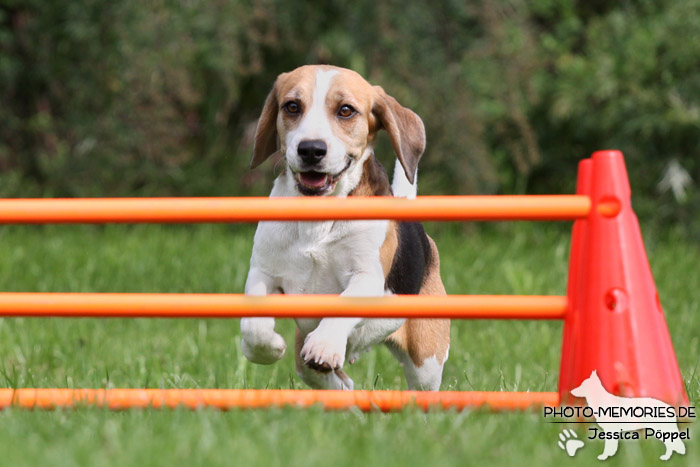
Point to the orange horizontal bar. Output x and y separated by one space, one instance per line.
141 305
252 209
224 399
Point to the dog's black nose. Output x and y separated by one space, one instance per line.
312 151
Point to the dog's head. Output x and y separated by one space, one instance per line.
324 121
589 386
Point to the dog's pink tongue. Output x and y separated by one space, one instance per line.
313 179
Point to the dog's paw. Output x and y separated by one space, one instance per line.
260 343
323 352
264 352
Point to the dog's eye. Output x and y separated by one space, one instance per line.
291 107
346 111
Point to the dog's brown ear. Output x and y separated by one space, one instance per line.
405 128
265 143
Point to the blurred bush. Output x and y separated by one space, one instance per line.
160 97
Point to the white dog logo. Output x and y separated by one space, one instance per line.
619 415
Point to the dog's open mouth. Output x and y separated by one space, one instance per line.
314 183
315 180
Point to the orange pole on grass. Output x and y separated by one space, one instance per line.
143 305
252 209
224 399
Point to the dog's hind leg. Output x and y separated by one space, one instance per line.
422 345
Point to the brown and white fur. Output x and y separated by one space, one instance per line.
324 121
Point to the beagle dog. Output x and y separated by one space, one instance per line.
324 121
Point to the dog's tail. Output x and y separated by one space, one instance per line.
401 187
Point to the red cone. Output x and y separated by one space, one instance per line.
615 323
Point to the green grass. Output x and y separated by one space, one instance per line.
511 258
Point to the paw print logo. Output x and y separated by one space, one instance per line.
569 442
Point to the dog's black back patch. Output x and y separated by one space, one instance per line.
411 261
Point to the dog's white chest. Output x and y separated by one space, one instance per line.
308 257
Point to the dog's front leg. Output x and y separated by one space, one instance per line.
324 348
259 341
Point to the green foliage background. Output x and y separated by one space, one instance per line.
160 97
